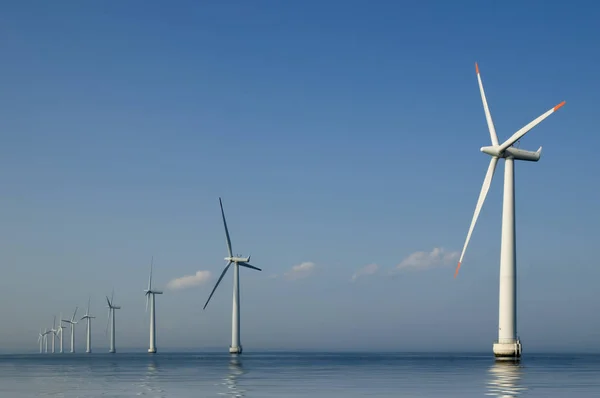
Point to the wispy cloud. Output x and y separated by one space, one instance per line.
369 269
302 270
437 257
187 281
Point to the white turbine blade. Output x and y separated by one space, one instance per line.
488 115
484 190
249 266
217 284
108 301
75 313
147 299
226 230
150 279
517 136
88 307
107 321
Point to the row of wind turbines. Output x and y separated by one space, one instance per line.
508 345
150 293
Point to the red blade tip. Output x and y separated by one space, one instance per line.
476 68
557 107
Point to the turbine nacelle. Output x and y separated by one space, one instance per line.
512 152
236 259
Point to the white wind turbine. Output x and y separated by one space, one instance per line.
508 344
61 329
54 332
236 347
41 341
72 322
150 297
88 318
111 316
46 340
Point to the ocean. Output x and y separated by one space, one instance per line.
297 375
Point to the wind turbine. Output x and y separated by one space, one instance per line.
41 341
150 297
88 318
61 329
236 347
46 340
111 311
508 345
54 333
73 323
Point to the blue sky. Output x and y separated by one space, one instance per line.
339 133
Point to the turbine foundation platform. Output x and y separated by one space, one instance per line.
235 350
152 350
507 350
111 351
88 351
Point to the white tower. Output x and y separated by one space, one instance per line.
111 319
72 322
508 345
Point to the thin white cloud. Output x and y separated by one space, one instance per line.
437 257
187 281
369 269
301 270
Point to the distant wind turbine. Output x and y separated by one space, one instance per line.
73 322
150 297
236 346
61 329
111 316
41 341
46 340
88 318
54 333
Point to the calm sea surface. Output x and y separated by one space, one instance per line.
296 375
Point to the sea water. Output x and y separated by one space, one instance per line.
297 375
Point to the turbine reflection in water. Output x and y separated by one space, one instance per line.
505 377
149 383
230 381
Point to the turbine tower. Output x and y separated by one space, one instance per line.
236 347
88 318
508 345
150 297
111 316
73 323
61 329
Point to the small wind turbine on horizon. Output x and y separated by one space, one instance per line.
72 322
111 317
46 340
54 333
236 346
61 329
150 297
508 345
88 318
41 341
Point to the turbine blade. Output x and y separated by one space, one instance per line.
112 296
150 279
226 230
484 190
88 307
75 313
108 301
147 299
249 266
488 115
217 284
517 136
